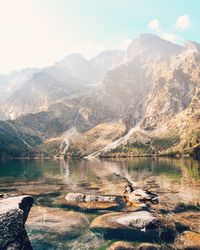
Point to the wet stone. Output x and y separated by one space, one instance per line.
93 203
56 222
121 245
188 241
140 226
148 246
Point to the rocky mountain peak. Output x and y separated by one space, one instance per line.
149 45
193 46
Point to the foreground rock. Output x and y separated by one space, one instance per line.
93 203
13 214
56 222
140 226
188 241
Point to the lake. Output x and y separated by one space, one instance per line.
176 181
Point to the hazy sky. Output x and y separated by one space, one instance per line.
36 33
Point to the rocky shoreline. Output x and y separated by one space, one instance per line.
133 219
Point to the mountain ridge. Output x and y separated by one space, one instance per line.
151 89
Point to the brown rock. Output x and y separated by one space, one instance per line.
121 245
188 241
57 221
148 246
189 220
138 225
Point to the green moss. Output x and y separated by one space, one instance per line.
50 149
73 152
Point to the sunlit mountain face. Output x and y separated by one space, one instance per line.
142 100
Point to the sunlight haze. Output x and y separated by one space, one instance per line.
37 33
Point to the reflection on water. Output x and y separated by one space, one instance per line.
175 180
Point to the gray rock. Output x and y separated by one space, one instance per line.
138 220
90 198
93 203
79 197
75 197
105 198
140 225
13 214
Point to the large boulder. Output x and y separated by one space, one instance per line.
139 225
13 214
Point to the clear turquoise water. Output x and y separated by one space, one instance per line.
49 181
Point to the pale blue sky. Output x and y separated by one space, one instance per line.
36 33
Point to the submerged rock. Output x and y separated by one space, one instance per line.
93 203
13 214
188 241
56 222
188 220
148 246
139 225
121 245
79 197
75 197
132 225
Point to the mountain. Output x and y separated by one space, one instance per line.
123 90
149 45
34 90
91 71
143 101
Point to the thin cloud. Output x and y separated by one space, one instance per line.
169 37
154 25
183 22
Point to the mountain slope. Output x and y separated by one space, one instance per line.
148 95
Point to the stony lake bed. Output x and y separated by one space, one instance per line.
84 204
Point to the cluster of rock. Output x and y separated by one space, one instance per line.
137 221
13 214
133 225
134 221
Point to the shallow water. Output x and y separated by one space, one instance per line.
174 180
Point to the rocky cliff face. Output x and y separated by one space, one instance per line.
152 89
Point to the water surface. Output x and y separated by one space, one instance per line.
174 180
